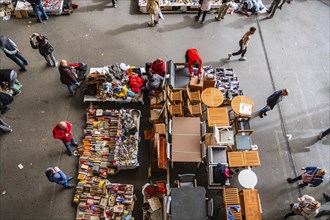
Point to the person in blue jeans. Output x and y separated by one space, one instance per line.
67 76
11 50
313 176
37 8
55 175
272 100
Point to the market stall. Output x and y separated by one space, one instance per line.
23 8
178 6
114 83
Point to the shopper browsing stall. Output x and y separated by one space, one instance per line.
11 50
158 67
55 175
204 7
37 8
10 76
194 60
153 7
5 99
44 47
67 76
63 132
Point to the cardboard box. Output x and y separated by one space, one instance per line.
194 86
21 14
160 128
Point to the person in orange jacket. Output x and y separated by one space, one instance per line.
194 60
63 131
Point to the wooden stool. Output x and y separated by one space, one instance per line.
194 97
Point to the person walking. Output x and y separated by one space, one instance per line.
55 175
63 132
10 76
4 126
44 47
12 52
226 4
153 7
193 59
243 43
67 76
204 7
37 8
323 134
306 206
313 176
272 100
5 99
274 6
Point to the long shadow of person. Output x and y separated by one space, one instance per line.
99 7
187 22
301 145
127 28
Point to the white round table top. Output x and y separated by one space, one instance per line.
247 178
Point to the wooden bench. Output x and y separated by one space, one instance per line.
231 198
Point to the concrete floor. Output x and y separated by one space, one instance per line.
290 51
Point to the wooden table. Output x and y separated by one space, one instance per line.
243 158
235 105
252 207
186 140
212 97
217 117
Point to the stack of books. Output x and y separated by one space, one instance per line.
96 196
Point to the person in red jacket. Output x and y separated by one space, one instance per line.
158 67
194 60
63 131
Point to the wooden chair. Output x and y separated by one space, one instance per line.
194 110
194 97
174 96
231 198
174 110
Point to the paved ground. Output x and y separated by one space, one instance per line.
290 51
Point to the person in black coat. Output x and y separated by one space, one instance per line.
5 99
272 100
44 47
10 76
67 76
37 5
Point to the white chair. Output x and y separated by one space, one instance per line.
223 135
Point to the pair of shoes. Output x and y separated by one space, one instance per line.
202 22
115 6
261 115
320 136
22 70
265 113
242 59
289 180
75 144
11 130
17 93
326 196
196 18
222 17
39 21
49 64
55 64
70 178
26 63
229 56
70 153
151 24
216 18
156 22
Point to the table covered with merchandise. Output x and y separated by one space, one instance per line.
178 5
51 6
114 83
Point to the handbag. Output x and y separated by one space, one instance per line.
307 178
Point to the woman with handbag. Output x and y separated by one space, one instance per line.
313 176
306 206
44 47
